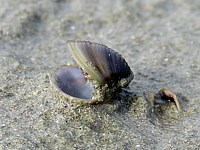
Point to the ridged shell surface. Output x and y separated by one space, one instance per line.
101 63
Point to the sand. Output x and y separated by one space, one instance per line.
158 38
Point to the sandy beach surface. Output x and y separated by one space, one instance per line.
158 38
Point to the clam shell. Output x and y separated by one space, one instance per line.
103 71
101 63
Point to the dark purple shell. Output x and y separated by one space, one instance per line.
101 62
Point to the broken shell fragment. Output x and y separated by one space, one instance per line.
101 73
168 95
163 97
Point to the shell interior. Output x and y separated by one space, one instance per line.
72 82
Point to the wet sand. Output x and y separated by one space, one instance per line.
159 40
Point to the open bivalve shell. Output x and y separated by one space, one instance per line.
101 72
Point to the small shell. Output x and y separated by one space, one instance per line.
167 94
105 72
164 95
